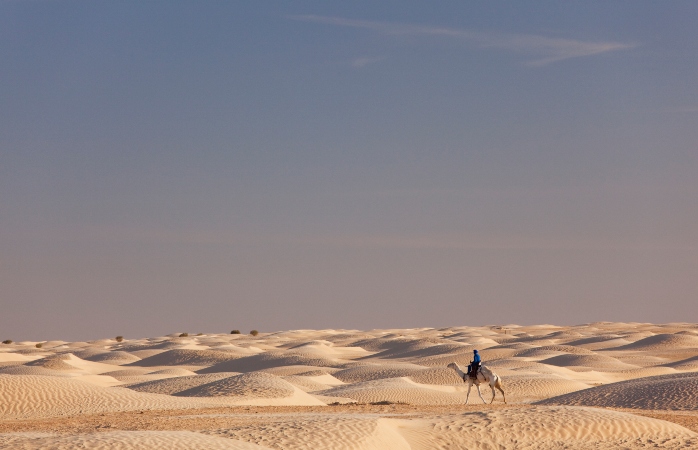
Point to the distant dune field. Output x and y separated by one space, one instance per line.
599 385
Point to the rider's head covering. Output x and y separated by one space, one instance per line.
474 351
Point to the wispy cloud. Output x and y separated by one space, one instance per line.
544 50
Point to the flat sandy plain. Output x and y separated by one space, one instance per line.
600 385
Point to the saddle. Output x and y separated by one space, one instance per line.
472 371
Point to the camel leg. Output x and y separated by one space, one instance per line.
470 385
502 391
480 394
493 393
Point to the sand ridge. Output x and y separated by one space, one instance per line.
171 386
41 396
186 357
674 392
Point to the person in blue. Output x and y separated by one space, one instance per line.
474 365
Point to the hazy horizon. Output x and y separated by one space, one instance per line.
176 166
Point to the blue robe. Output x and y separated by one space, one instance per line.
475 363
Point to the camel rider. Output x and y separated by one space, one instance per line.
474 365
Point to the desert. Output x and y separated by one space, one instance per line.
297 224
597 385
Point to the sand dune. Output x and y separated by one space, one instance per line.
13 357
410 348
640 360
88 352
399 390
379 344
537 353
689 364
436 376
319 377
437 350
256 388
547 428
601 362
131 371
327 432
569 372
146 353
115 357
185 357
464 358
32 352
593 340
284 371
676 392
533 428
528 388
42 396
565 349
55 362
662 341
173 371
269 360
254 384
237 350
345 338
34 370
307 384
135 375
126 440
624 375
376 371
170 386
327 349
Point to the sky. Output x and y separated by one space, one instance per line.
172 166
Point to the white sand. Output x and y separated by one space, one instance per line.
186 357
123 440
679 391
548 428
568 370
170 386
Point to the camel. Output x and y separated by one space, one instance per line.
484 375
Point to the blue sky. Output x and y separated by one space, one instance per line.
178 166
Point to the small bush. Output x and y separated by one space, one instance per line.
39 345
199 334
184 335
235 332
119 338
8 341
254 332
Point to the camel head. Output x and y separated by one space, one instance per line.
453 366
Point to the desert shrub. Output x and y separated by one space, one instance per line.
119 338
254 332
39 345
7 341
235 332
199 334
184 335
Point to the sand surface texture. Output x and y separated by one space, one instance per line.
600 385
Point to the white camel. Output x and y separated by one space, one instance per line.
484 375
